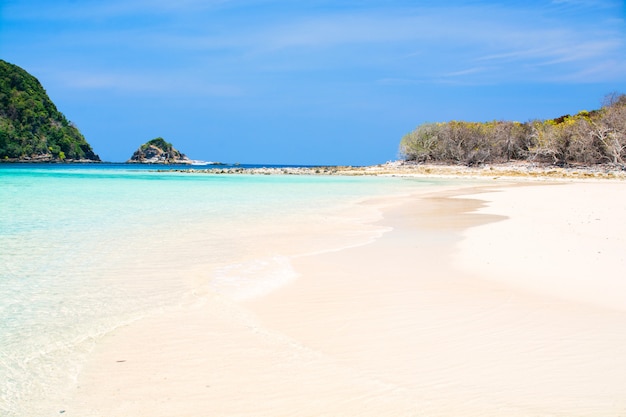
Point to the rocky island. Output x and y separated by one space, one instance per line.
31 127
158 151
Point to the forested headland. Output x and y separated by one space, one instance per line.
31 127
586 138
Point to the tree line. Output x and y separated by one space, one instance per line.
588 138
30 124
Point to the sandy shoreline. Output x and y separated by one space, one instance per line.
437 317
512 170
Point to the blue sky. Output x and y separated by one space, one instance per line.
311 81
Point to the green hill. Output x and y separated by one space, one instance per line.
158 151
31 127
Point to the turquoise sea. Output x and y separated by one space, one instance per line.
85 249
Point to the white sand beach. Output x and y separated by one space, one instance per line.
503 300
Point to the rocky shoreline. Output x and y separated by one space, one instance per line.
517 170
46 159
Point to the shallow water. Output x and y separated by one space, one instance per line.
86 249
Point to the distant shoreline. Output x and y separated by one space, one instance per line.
510 170
517 170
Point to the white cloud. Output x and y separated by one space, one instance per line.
173 84
482 42
501 39
468 71
90 9
588 3
553 51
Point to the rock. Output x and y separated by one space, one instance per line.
158 151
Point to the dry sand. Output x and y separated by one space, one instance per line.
456 311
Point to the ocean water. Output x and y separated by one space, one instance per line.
87 249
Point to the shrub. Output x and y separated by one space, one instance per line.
588 137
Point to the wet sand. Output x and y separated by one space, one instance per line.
449 313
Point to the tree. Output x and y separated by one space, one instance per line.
30 124
421 144
586 137
610 128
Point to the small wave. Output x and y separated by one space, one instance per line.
253 279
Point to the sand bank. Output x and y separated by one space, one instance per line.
441 316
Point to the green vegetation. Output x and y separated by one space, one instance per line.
160 143
31 127
587 138
157 151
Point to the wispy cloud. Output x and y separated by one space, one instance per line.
171 84
608 69
555 51
483 42
450 40
588 3
469 71
93 9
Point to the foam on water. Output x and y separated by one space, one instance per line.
84 251
252 279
